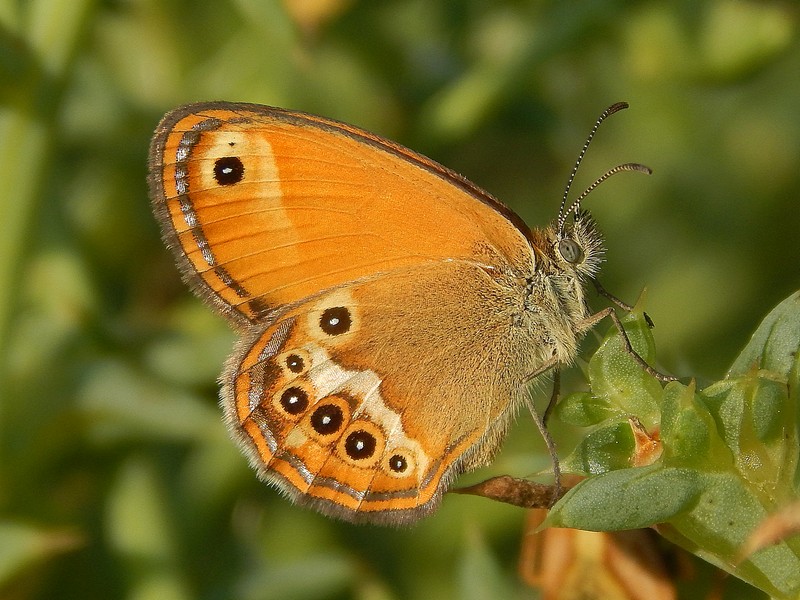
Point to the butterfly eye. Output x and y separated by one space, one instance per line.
570 251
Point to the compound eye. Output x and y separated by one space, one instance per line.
570 251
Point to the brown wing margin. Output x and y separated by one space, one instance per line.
257 310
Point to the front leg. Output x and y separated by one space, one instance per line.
592 320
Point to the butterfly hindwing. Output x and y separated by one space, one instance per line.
366 407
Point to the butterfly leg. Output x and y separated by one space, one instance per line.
614 300
553 396
608 295
594 319
551 448
540 423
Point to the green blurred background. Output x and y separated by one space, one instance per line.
117 477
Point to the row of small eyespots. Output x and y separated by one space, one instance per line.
328 419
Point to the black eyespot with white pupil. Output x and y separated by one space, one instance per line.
294 400
295 363
570 251
327 419
228 170
398 463
360 445
336 320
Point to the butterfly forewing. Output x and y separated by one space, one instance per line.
265 207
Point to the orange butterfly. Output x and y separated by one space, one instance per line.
391 312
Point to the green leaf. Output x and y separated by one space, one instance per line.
581 409
729 459
774 346
606 448
628 499
689 432
619 380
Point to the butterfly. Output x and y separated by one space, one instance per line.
390 312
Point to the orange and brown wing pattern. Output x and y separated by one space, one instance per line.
266 207
363 406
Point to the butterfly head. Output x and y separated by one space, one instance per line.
578 246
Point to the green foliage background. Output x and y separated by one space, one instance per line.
117 478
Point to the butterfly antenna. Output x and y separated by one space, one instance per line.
575 206
563 214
